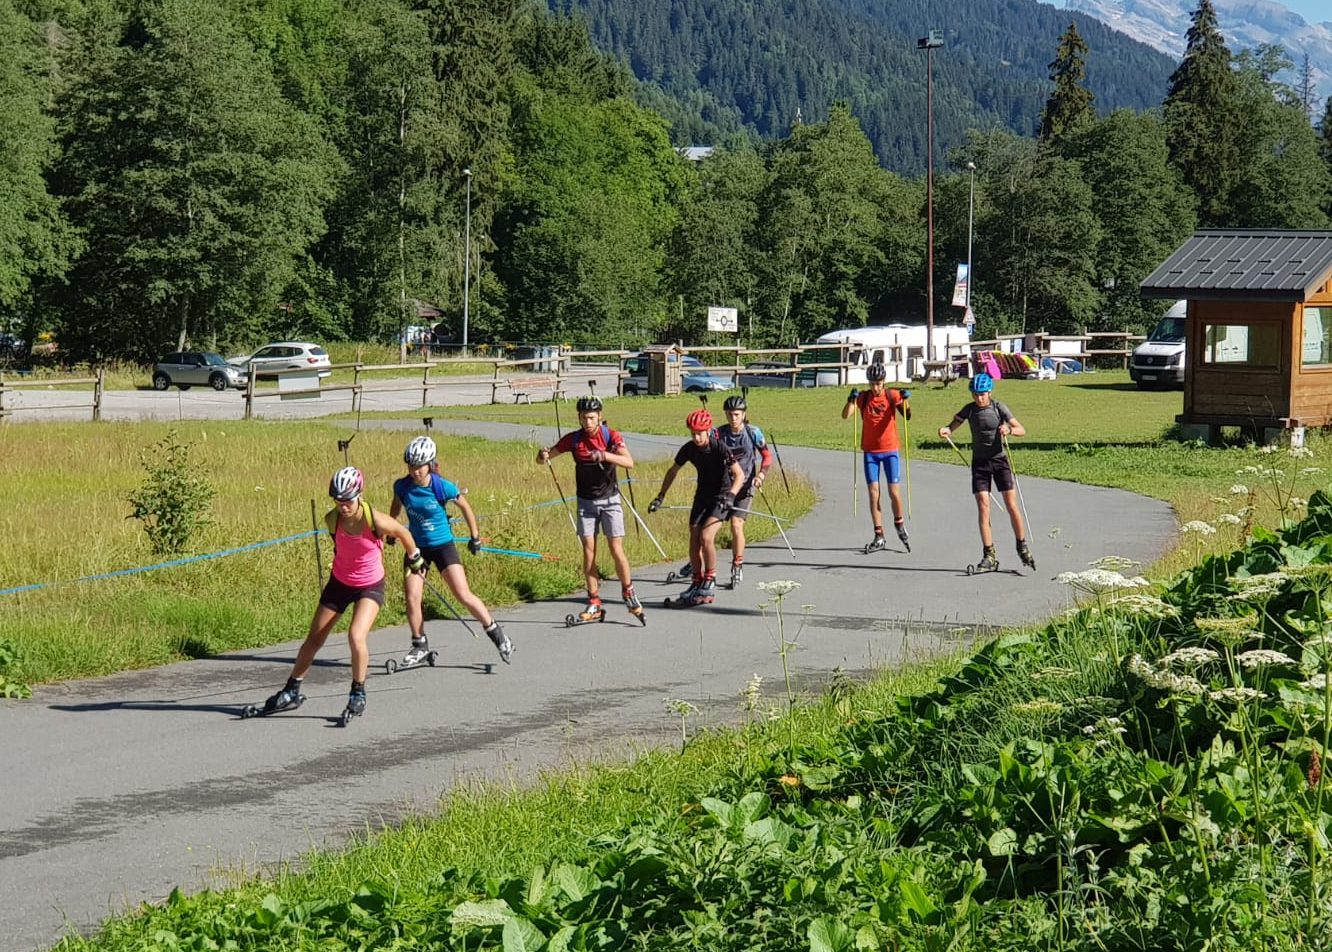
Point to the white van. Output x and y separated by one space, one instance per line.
1159 360
899 347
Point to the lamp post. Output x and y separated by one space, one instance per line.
929 44
467 256
971 220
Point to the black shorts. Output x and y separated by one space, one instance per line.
744 501
706 509
982 471
337 595
440 556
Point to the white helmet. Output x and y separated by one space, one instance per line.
419 451
346 484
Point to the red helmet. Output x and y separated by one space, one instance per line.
698 421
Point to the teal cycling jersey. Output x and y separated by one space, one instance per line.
427 518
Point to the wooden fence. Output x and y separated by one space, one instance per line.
98 381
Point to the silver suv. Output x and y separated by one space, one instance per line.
273 359
184 370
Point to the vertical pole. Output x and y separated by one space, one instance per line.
98 387
971 218
467 257
319 557
425 386
249 392
929 205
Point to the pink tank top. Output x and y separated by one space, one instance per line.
358 561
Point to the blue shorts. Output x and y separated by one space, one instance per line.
891 463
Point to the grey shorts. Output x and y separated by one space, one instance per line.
606 514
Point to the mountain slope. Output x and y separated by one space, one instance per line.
730 64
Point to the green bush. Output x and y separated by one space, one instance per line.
174 502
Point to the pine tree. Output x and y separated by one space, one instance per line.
1069 108
1201 117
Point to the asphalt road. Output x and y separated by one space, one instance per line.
119 788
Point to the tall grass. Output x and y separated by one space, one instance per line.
70 484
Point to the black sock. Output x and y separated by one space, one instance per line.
293 683
358 687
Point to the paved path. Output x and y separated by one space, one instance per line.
119 788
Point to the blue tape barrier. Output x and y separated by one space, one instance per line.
164 565
518 552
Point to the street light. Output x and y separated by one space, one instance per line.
467 256
971 218
929 44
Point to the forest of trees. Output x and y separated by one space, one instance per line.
213 174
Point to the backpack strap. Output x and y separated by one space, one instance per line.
331 520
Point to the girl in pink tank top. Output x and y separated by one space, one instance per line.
357 581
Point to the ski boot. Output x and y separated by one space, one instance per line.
903 536
501 641
989 562
737 574
1024 553
593 612
419 654
635 607
288 699
355 704
704 593
876 544
685 571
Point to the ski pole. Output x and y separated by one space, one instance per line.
906 442
747 512
633 502
780 468
520 553
634 509
855 424
964 463
564 499
773 516
1018 486
449 605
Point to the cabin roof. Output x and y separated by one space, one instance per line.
1244 264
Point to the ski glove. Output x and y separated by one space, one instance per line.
854 393
906 394
417 564
474 546
727 503
654 505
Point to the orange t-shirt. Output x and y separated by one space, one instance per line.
879 413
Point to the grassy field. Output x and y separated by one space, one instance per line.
1097 429
73 480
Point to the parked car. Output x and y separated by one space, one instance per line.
12 347
753 378
1159 360
696 377
272 359
184 370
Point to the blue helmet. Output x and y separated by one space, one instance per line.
982 383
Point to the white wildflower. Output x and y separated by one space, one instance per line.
1237 695
683 708
1247 471
1099 580
1317 683
1262 656
1297 503
1264 585
1166 681
1230 519
1190 658
1268 450
1138 603
1198 526
1311 471
1038 706
1114 563
752 693
779 588
1301 452
1239 489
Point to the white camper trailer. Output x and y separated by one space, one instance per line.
899 347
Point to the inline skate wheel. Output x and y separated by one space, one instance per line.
671 577
432 658
390 666
971 570
570 621
249 711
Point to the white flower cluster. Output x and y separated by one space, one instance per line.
1039 706
753 693
1311 471
1300 452
1317 683
1166 681
1190 658
1259 657
1114 563
1230 519
1239 489
1265 585
1198 526
1106 725
779 588
1237 695
1139 603
1100 580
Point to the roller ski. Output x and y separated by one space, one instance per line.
877 544
737 575
685 571
903 537
593 612
635 606
421 653
288 699
1024 553
702 594
989 562
500 640
355 707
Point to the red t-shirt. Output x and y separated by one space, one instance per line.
592 480
879 413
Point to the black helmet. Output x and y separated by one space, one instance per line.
589 405
735 403
876 372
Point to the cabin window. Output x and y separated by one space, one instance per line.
1317 336
1249 345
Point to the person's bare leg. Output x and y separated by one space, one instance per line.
320 625
983 517
616 545
1015 514
456 578
364 613
413 592
591 577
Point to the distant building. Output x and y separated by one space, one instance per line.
696 153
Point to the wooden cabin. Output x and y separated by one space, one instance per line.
1258 351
